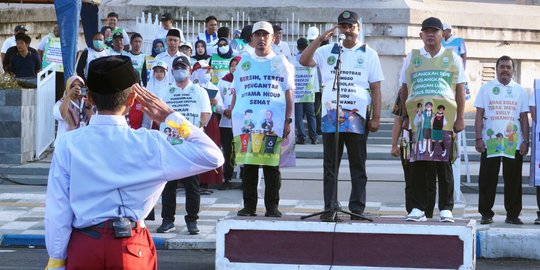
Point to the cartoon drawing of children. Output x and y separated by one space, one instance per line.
418 123
248 124
268 123
500 143
437 123
510 133
427 116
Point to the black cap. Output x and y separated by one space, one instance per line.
118 35
181 61
111 74
432 22
174 33
348 17
19 28
302 43
276 28
165 17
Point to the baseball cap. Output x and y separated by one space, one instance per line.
348 17
117 35
312 33
161 64
262 25
181 62
19 28
165 17
446 26
186 44
432 22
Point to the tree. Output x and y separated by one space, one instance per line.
490 133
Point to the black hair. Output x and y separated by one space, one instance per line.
97 33
504 58
248 111
110 102
134 36
419 105
209 18
112 14
429 103
223 32
24 37
246 33
441 107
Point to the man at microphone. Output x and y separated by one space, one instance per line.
360 96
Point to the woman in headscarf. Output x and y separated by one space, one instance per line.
200 52
72 111
221 59
107 34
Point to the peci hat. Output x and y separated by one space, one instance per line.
262 25
180 61
174 33
19 28
446 26
348 17
161 64
165 17
111 74
432 22
312 33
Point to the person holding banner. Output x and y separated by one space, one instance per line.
361 78
535 164
193 102
51 52
502 108
432 76
262 98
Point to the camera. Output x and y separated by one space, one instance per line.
84 91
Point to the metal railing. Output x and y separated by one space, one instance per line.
45 99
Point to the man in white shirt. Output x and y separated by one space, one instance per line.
210 34
173 42
361 77
166 25
502 134
192 100
94 218
10 42
279 46
112 21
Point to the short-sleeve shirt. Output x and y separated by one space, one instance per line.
25 66
462 76
456 44
191 101
8 43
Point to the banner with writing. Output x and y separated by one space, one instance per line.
53 53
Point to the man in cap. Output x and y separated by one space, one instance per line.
94 218
455 43
192 100
166 25
361 78
118 44
263 84
421 68
10 42
173 41
279 46
312 34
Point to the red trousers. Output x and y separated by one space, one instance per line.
96 248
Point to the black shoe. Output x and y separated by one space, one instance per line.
314 141
515 221
357 218
246 213
326 216
273 213
486 220
301 141
166 226
225 185
192 227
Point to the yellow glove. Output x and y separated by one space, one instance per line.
55 263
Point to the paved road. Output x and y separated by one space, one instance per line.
34 259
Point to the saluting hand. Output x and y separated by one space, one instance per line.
152 105
328 33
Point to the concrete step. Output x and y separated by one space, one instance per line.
473 188
22 179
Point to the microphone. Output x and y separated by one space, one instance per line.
341 37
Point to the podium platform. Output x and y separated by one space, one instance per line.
387 243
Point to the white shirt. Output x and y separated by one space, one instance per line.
226 91
161 33
191 101
43 43
282 48
8 43
167 58
462 76
136 162
62 123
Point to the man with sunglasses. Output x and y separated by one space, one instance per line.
360 84
193 102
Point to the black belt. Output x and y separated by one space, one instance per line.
89 231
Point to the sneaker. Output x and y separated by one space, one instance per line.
246 213
314 141
446 216
166 226
273 213
444 153
416 215
225 185
192 227
515 221
537 221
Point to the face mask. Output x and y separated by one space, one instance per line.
98 44
180 74
224 49
158 50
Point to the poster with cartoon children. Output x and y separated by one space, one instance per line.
502 142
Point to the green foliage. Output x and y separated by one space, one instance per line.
8 82
490 132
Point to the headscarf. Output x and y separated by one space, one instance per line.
154 44
229 76
227 55
107 39
156 86
200 56
74 117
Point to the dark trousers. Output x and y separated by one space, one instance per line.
424 175
272 182
409 190
193 199
318 110
60 86
487 184
301 109
538 199
90 22
356 150
228 153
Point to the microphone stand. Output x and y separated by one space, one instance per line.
335 206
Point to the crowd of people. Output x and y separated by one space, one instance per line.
245 89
